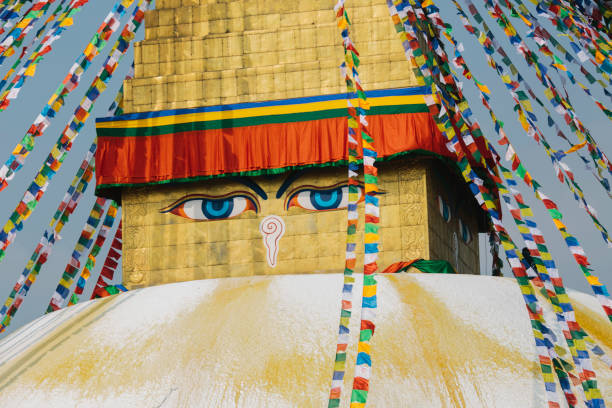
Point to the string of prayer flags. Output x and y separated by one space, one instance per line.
599 290
117 106
63 22
7 12
25 24
473 132
14 47
72 196
541 34
27 47
43 250
432 13
352 216
594 13
357 123
63 145
564 173
404 17
598 351
562 105
11 13
554 290
55 103
107 274
107 224
565 21
83 243
541 39
490 45
109 291
363 364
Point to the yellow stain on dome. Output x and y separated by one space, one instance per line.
227 320
269 341
597 326
441 348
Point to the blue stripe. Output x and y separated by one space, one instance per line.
421 90
363 358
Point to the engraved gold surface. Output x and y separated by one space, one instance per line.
199 53
162 247
209 52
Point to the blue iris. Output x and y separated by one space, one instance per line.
217 209
326 199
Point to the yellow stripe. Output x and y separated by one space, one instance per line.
260 111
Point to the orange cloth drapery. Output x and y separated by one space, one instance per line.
258 138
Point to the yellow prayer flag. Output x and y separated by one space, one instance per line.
30 70
363 348
371 238
56 152
67 22
576 147
558 223
8 226
527 22
40 180
593 280
369 291
483 88
523 121
52 99
89 49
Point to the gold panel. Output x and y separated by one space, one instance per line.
206 52
164 247
259 50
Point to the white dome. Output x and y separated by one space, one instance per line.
269 341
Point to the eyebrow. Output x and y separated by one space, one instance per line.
290 179
252 185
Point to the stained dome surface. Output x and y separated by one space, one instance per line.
269 341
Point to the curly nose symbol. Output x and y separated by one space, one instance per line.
272 229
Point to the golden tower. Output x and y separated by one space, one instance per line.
210 59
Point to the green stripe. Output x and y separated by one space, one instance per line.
252 121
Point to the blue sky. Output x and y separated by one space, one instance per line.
18 117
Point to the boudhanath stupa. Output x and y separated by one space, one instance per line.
229 162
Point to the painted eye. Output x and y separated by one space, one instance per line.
322 199
466 234
445 211
200 207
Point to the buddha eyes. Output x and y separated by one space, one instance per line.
322 199
200 207
203 207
